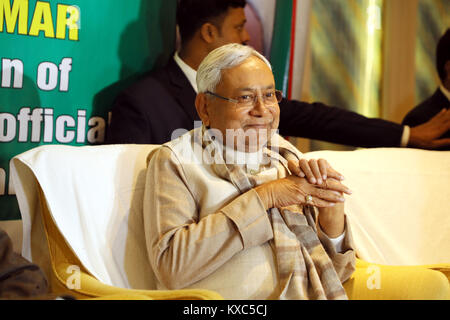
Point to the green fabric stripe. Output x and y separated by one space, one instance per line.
346 60
280 51
341 54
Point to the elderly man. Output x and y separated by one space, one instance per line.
222 210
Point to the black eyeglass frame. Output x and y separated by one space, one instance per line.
237 102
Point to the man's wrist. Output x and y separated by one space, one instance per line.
333 228
405 136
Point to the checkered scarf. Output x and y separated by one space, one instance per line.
304 268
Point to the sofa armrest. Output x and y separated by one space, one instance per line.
372 281
84 286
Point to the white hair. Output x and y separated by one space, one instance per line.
209 72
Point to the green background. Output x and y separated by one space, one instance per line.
118 40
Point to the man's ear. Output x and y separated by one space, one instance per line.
447 69
209 32
201 104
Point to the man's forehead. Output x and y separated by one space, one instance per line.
251 64
251 74
257 87
236 15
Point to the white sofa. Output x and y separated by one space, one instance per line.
400 207
399 211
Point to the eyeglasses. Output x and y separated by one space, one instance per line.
270 98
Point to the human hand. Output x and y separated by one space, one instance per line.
426 135
315 171
295 190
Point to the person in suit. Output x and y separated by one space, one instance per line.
160 106
436 105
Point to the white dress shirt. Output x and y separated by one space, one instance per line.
445 92
190 73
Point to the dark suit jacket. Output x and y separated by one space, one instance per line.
427 110
19 278
163 101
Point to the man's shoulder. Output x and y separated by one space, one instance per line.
159 79
149 81
186 148
436 97
426 109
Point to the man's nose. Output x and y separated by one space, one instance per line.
245 37
259 107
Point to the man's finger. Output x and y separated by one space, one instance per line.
334 174
315 170
295 169
327 195
304 166
441 115
332 184
323 167
328 172
441 118
441 143
322 203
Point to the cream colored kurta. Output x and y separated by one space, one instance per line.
202 233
